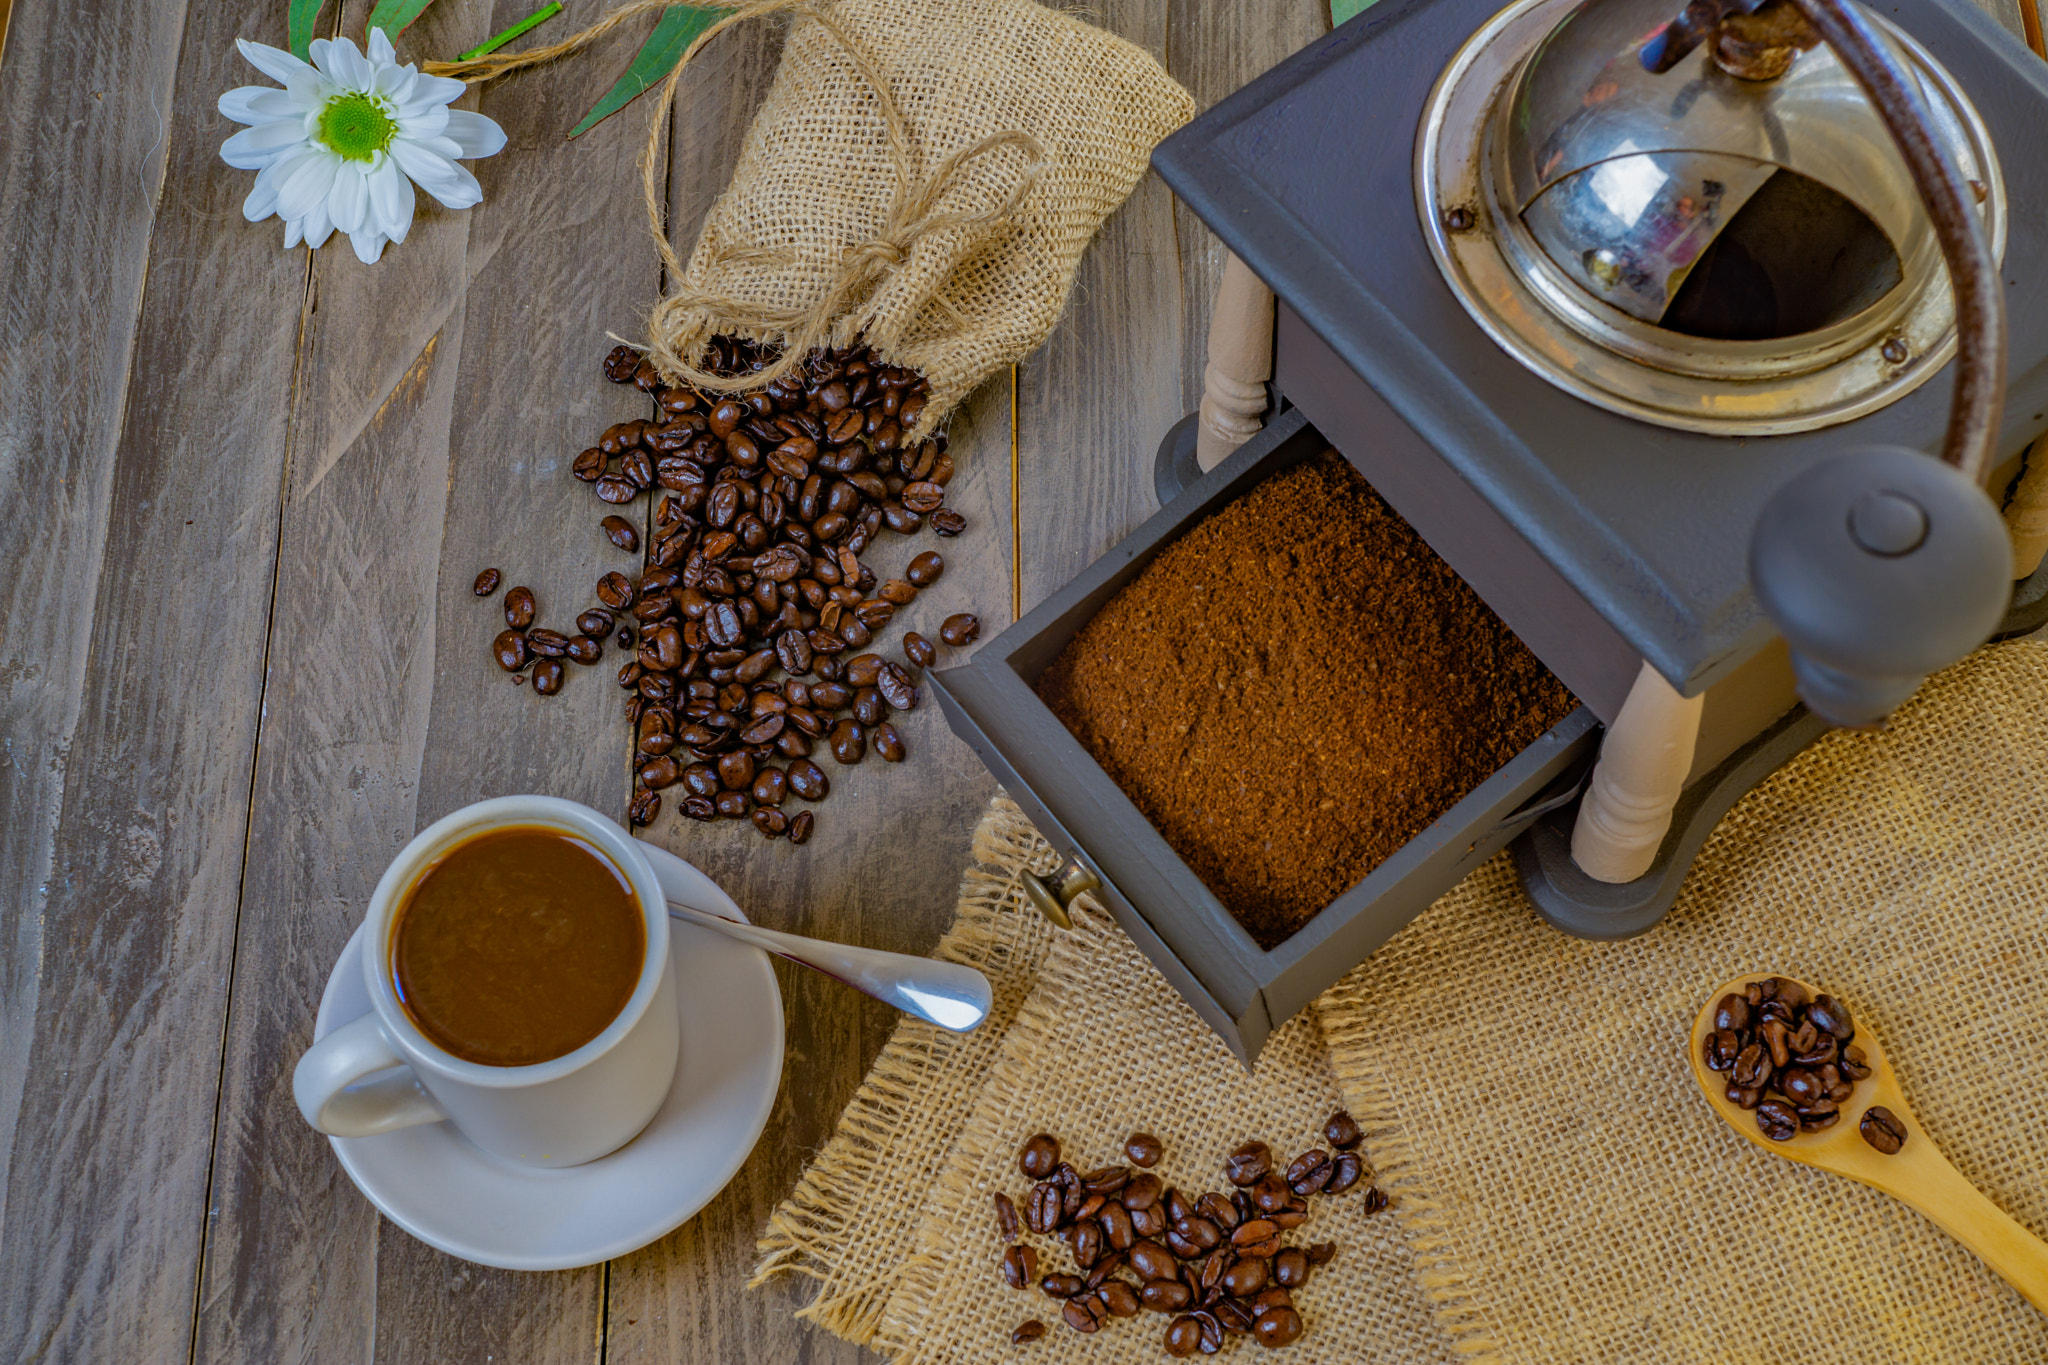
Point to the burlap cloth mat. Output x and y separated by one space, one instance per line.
1560 1193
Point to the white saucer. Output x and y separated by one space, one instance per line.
450 1194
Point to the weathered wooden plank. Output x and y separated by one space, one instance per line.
140 542
1097 397
881 869
444 391
1213 50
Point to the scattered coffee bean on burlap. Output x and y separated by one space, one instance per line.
1216 1264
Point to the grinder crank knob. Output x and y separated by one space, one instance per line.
1878 566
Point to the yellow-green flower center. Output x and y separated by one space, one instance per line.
356 126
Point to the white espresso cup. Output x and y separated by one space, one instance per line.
381 1073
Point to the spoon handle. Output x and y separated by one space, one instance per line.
951 995
1925 1180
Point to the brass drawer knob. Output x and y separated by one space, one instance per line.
1053 894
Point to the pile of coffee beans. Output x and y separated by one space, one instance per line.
1791 1060
1215 1264
753 588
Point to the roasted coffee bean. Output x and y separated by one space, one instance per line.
947 523
1309 1172
1199 1233
1290 1268
1322 1253
1345 1171
620 364
596 621
1085 1313
1141 1149
645 806
1248 1164
585 649
1142 1191
1085 1243
1165 1296
621 533
869 708
1832 1016
486 583
615 590
1117 1227
1062 1286
1752 1069
800 826
924 569
1731 1012
510 650
1152 1261
547 677
849 742
1150 1221
549 644
1040 1155
615 489
1252 1232
1030 1330
808 781
889 744
961 629
1281 1327
1342 1132
1020 1266
1120 1297
736 770
702 779
1778 1121
1183 1337
1246 1277
770 787
918 649
1220 1210
1721 1049
923 497
519 607
1375 1199
1881 1128
1006 1217
731 805
1801 1086
863 669
896 688
1777 1040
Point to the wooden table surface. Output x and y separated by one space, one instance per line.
245 492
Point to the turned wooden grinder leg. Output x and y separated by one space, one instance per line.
1635 786
2026 516
1240 363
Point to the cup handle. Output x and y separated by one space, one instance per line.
340 1093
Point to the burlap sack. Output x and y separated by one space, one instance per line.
895 1221
924 173
1569 1195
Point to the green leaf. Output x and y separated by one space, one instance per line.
299 25
664 47
394 15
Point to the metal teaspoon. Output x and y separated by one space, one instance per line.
948 994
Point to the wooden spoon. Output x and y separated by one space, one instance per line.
1916 1175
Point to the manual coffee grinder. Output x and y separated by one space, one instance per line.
1706 347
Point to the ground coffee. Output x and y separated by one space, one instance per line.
1296 688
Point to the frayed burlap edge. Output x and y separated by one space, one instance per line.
918 1278
1438 1273
860 1192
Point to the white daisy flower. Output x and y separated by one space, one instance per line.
333 149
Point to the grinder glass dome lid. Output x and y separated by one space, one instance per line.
1695 249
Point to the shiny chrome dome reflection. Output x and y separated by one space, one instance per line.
1690 248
